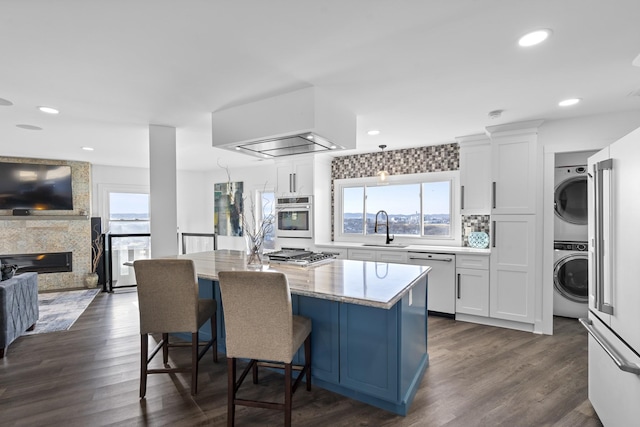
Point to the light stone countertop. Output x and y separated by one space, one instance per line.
409 248
373 284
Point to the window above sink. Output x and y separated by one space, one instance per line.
422 209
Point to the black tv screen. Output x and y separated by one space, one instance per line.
35 186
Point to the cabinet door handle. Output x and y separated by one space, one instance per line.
462 197
458 285
292 182
493 194
493 234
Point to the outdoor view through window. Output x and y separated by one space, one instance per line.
419 209
128 214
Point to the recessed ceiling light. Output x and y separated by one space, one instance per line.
48 110
5 102
495 114
533 38
29 127
568 102
373 132
87 148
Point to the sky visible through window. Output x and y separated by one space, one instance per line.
128 203
399 199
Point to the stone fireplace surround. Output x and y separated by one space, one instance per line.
54 231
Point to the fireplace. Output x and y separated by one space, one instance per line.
49 262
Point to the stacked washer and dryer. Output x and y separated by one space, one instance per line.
570 270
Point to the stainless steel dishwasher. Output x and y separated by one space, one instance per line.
441 291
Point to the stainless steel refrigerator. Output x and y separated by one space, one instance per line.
613 321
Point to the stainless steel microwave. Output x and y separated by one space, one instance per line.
294 217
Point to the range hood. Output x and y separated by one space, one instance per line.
300 122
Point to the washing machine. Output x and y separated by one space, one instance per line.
570 203
570 279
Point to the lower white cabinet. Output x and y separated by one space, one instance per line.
472 291
512 272
362 254
398 257
472 285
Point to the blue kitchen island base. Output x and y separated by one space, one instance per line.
375 355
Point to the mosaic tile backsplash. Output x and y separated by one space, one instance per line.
26 236
475 223
435 158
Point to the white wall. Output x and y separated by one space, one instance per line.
255 178
565 136
194 194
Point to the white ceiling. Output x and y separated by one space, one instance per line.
422 72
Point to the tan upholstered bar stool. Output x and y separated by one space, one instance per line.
260 326
168 303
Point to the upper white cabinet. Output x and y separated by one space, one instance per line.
514 164
295 176
512 271
475 174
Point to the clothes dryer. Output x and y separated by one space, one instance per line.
570 203
570 279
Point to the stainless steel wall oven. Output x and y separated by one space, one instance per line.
294 217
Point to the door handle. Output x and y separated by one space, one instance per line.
493 234
599 235
462 197
292 183
620 361
493 194
432 259
458 285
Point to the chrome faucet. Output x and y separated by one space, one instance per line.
375 226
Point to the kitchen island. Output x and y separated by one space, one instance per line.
369 337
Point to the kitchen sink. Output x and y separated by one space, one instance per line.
382 245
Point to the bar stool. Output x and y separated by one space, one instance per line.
260 326
168 303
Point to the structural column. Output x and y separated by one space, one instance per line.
163 188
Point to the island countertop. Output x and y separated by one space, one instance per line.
374 284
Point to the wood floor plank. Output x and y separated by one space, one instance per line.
478 376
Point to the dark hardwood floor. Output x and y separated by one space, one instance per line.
478 376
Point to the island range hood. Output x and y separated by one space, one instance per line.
298 122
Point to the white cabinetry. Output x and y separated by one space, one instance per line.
475 174
295 176
516 203
362 254
398 257
514 165
512 272
472 285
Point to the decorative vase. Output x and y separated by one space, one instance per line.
91 281
254 252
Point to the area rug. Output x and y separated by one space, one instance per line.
60 310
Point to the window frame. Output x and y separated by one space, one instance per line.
453 239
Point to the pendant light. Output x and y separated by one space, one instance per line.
382 173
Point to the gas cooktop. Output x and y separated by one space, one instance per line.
299 257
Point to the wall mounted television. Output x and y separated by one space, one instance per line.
35 186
